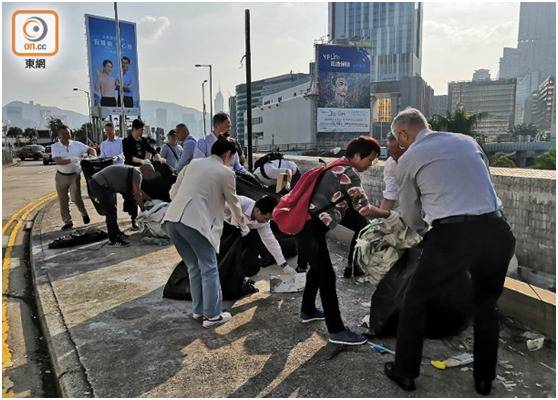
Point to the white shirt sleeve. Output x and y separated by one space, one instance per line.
391 191
271 244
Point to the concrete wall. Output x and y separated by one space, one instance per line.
529 198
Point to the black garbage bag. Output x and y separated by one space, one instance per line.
448 314
158 186
234 283
247 185
78 237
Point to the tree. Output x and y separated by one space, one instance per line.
14 132
458 121
523 130
502 160
53 125
546 160
29 133
83 133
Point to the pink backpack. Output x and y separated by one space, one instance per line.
291 213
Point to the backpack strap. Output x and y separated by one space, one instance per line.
173 152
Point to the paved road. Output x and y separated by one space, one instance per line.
26 371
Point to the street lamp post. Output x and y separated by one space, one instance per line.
210 85
203 106
92 132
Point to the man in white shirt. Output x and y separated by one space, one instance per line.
445 182
112 145
67 155
172 151
261 239
268 171
391 191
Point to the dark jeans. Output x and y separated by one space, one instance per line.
321 275
130 206
484 248
106 199
355 222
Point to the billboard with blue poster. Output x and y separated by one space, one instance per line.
344 89
104 74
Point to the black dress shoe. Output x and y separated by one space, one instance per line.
67 226
483 386
407 384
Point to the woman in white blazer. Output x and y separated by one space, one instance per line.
194 222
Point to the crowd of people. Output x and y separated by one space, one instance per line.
438 183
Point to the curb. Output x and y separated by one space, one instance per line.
69 372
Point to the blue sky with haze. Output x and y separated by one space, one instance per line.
457 39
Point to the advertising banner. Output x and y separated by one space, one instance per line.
104 74
344 89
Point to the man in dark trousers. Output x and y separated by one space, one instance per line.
122 179
445 177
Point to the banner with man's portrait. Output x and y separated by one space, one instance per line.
344 89
104 73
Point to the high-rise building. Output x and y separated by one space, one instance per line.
543 106
496 98
393 30
481 75
534 59
232 114
261 88
440 105
219 104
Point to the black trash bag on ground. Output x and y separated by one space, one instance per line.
234 283
78 238
159 186
448 314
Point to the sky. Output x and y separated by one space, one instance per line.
457 39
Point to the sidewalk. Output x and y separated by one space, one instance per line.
111 334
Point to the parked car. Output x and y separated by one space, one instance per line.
34 151
47 156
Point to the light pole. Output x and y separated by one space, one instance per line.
203 105
210 85
89 109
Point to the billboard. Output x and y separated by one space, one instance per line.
344 89
104 73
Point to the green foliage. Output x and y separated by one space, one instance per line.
524 130
29 133
83 133
14 132
501 160
458 121
546 160
53 125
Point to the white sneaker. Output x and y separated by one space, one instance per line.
221 319
197 317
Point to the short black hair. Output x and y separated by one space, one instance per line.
137 124
127 59
63 127
363 145
105 62
109 125
220 117
171 133
266 204
222 145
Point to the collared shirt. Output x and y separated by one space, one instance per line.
203 149
188 148
74 151
273 168
263 229
171 153
391 191
441 175
113 148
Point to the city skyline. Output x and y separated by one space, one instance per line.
282 40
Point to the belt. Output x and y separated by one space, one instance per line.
62 173
458 219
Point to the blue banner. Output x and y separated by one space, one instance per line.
104 73
344 89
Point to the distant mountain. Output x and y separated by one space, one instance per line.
154 113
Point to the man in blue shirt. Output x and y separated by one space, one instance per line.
172 151
188 146
112 145
221 126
